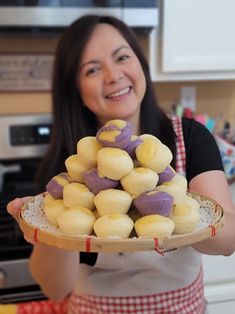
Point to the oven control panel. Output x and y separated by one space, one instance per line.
30 134
24 136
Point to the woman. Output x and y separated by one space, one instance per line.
100 73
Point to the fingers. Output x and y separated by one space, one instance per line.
13 209
14 206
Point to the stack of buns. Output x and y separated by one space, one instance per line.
120 184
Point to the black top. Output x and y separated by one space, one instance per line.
202 154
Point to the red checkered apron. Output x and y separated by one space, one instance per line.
187 300
180 148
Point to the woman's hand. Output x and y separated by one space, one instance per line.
214 184
13 209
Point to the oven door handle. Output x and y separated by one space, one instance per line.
7 169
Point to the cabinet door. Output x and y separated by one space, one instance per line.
198 35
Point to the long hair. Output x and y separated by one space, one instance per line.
73 120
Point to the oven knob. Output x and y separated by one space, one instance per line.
2 278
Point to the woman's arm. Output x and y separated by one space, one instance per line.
214 184
55 270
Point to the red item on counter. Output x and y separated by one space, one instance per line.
188 113
42 307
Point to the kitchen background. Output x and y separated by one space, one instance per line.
192 62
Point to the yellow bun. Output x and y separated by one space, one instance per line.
52 210
75 167
114 163
113 226
149 136
180 180
153 154
87 149
177 191
154 226
112 201
121 124
78 194
76 220
139 180
191 202
48 198
185 218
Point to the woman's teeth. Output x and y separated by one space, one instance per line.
119 93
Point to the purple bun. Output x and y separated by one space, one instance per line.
154 202
130 149
121 141
55 188
166 176
96 183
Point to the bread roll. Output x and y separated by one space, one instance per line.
96 182
114 163
87 149
167 175
112 201
113 226
77 194
115 133
154 226
177 191
56 185
191 202
53 210
48 198
75 168
139 180
149 136
75 221
180 180
153 154
130 149
185 217
154 202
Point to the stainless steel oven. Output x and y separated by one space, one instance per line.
24 140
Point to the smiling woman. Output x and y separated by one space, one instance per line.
100 73
111 80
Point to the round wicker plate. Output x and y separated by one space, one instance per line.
34 224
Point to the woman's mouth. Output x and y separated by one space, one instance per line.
119 93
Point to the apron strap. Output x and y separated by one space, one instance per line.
180 146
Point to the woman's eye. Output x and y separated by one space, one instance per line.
123 58
92 71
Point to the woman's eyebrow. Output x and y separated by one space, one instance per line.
115 51
118 49
89 62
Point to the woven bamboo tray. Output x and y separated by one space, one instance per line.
34 224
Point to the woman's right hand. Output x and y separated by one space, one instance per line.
13 209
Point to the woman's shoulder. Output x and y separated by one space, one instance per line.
192 125
202 153
195 131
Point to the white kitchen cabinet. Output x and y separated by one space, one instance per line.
194 40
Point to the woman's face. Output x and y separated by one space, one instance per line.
110 78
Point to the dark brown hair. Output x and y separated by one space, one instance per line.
72 120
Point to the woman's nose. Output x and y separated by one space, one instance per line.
113 73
